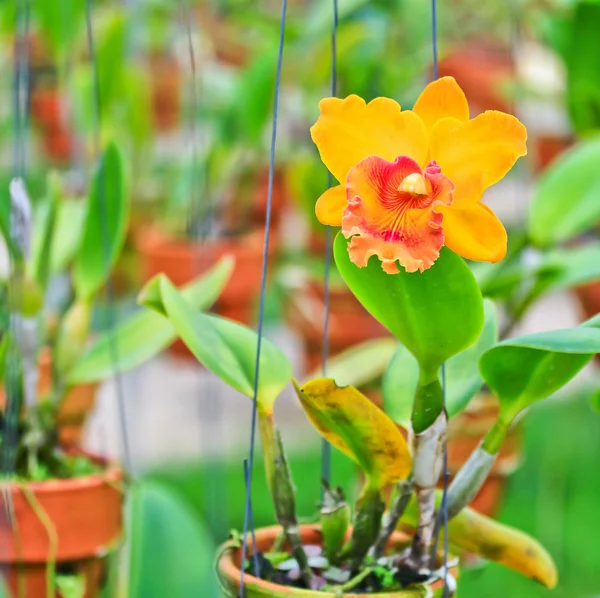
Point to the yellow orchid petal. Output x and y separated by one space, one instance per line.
441 99
474 232
391 214
330 206
350 130
477 154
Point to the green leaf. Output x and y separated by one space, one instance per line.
565 203
71 586
360 365
463 379
105 226
60 23
224 347
434 314
71 219
172 553
41 258
583 67
144 334
354 425
526 369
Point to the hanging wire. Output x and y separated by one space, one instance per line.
109 312
325 446
261 310
443 515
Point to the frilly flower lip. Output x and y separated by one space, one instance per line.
412 180
391 213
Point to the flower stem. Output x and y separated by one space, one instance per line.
427 448
281 488
404 492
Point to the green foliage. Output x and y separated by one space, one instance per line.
463 379
145 334
171 552
582 61
434 314
105 225
60 23
526 369
224 347
554 485
565 203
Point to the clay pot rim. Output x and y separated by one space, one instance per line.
228 568
112 473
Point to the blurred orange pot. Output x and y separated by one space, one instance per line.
75 407
480 68
182 261
67 524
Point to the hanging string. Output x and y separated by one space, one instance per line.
109 312
325 446
261 310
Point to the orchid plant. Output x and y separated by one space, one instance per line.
76 242
409 207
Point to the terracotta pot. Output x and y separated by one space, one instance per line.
75 407
465 432
480 68
46 109
225 38
229 568
182 261
547 148
349 322
83 515
165 90
588 296
278 198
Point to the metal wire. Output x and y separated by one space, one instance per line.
109 312
325 446
442 518
261 309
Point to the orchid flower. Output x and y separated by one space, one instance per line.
412 181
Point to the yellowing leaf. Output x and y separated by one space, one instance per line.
354 425
480 535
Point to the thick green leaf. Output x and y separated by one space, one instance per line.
354 425
172 553
224 347
361 364
462 376
145 333
105 226
566 201
526 369
435 314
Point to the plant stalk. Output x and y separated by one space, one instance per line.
469 480
427 449
404 490
367 524
281 488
